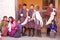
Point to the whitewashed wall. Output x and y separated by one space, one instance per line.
7 8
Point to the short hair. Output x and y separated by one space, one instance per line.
32 5
37 7
24 4
54 21
50 3
5 17
18 20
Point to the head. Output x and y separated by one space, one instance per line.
24 6
18 21
31 6
37 7
11 19
53 22
51 5
5 18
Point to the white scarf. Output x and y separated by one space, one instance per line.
9 27
26 20
51 17
36 15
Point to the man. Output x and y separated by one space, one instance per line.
51 14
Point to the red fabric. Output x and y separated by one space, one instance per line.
0 38
5 30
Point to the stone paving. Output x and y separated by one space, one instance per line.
31 38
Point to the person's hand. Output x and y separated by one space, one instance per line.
31 19
53 30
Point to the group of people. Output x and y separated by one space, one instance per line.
29 22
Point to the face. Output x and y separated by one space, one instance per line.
31 7
52 22
18 21
5 18
10 19
24 7
51 5
37 8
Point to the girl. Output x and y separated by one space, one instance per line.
38 20
53 29
19 30
3 25
11 26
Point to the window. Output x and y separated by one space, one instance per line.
46 3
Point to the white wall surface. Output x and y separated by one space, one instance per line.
7 8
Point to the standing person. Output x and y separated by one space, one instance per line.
23 15
53 29
11 26
31 22
3 26
51 15
38 20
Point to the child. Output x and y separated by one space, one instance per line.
19 31
3 26
53 29
22 16
11 26
31 22
38 20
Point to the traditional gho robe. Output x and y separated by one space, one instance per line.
23 15
38 20
51 13
30 23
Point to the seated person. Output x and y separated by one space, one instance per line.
53 29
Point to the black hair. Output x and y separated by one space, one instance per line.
32 5
5 17
24 4
54 22
37 7
18 20
50 3
12 19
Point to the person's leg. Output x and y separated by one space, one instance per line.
29 31
33 31
23 31
39 33
48 31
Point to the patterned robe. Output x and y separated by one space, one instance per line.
31 23
37 22
51 14
22 15
48 12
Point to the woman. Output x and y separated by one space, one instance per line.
11 26
3 26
